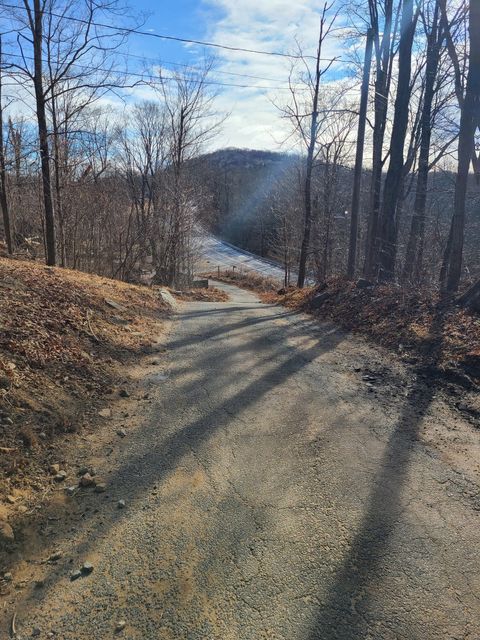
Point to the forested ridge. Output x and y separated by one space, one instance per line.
251 191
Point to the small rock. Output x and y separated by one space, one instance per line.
70 491
42 435
124 393
8 576
121 504
11 500
6 532
36 632
82 471
60 477
100 487
54 469
119 320
86 480
155 363
87 568
22 508
122 433
75 575
120 626
114 305
105 413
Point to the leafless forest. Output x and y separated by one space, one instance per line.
379 178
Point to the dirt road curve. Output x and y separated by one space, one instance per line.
275 492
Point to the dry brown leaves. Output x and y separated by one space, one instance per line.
59 344
401 319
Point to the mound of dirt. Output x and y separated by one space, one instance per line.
64 336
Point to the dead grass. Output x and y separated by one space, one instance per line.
246 280
212 294
63 338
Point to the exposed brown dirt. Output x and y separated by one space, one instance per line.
64 338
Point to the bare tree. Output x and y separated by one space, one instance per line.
434 36
304 116
190 124
70 52
388 227
384 29
469 122
357 177
3 181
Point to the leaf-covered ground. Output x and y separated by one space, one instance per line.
414 323
64 336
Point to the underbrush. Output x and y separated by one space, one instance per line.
246 280
210 294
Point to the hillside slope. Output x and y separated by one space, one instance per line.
64 336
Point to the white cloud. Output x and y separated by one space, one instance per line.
271 25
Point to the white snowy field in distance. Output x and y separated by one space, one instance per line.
215 253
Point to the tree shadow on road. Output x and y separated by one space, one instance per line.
160 451
347 607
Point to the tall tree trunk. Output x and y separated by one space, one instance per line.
357 176
36 26
58 181
469 120
307 225
414 255
3 181
388 223
383 55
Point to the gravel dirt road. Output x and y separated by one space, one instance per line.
278 486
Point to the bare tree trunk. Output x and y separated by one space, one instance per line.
36 27
307 226
469 120
471 297
58 183
357 176
414 255
388 223
383 54
3 182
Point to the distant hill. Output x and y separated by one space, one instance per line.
231 157
240 183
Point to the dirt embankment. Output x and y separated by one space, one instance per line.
65 338
416 324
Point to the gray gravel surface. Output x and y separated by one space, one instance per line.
273 491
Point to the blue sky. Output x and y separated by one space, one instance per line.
271 25
185 18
